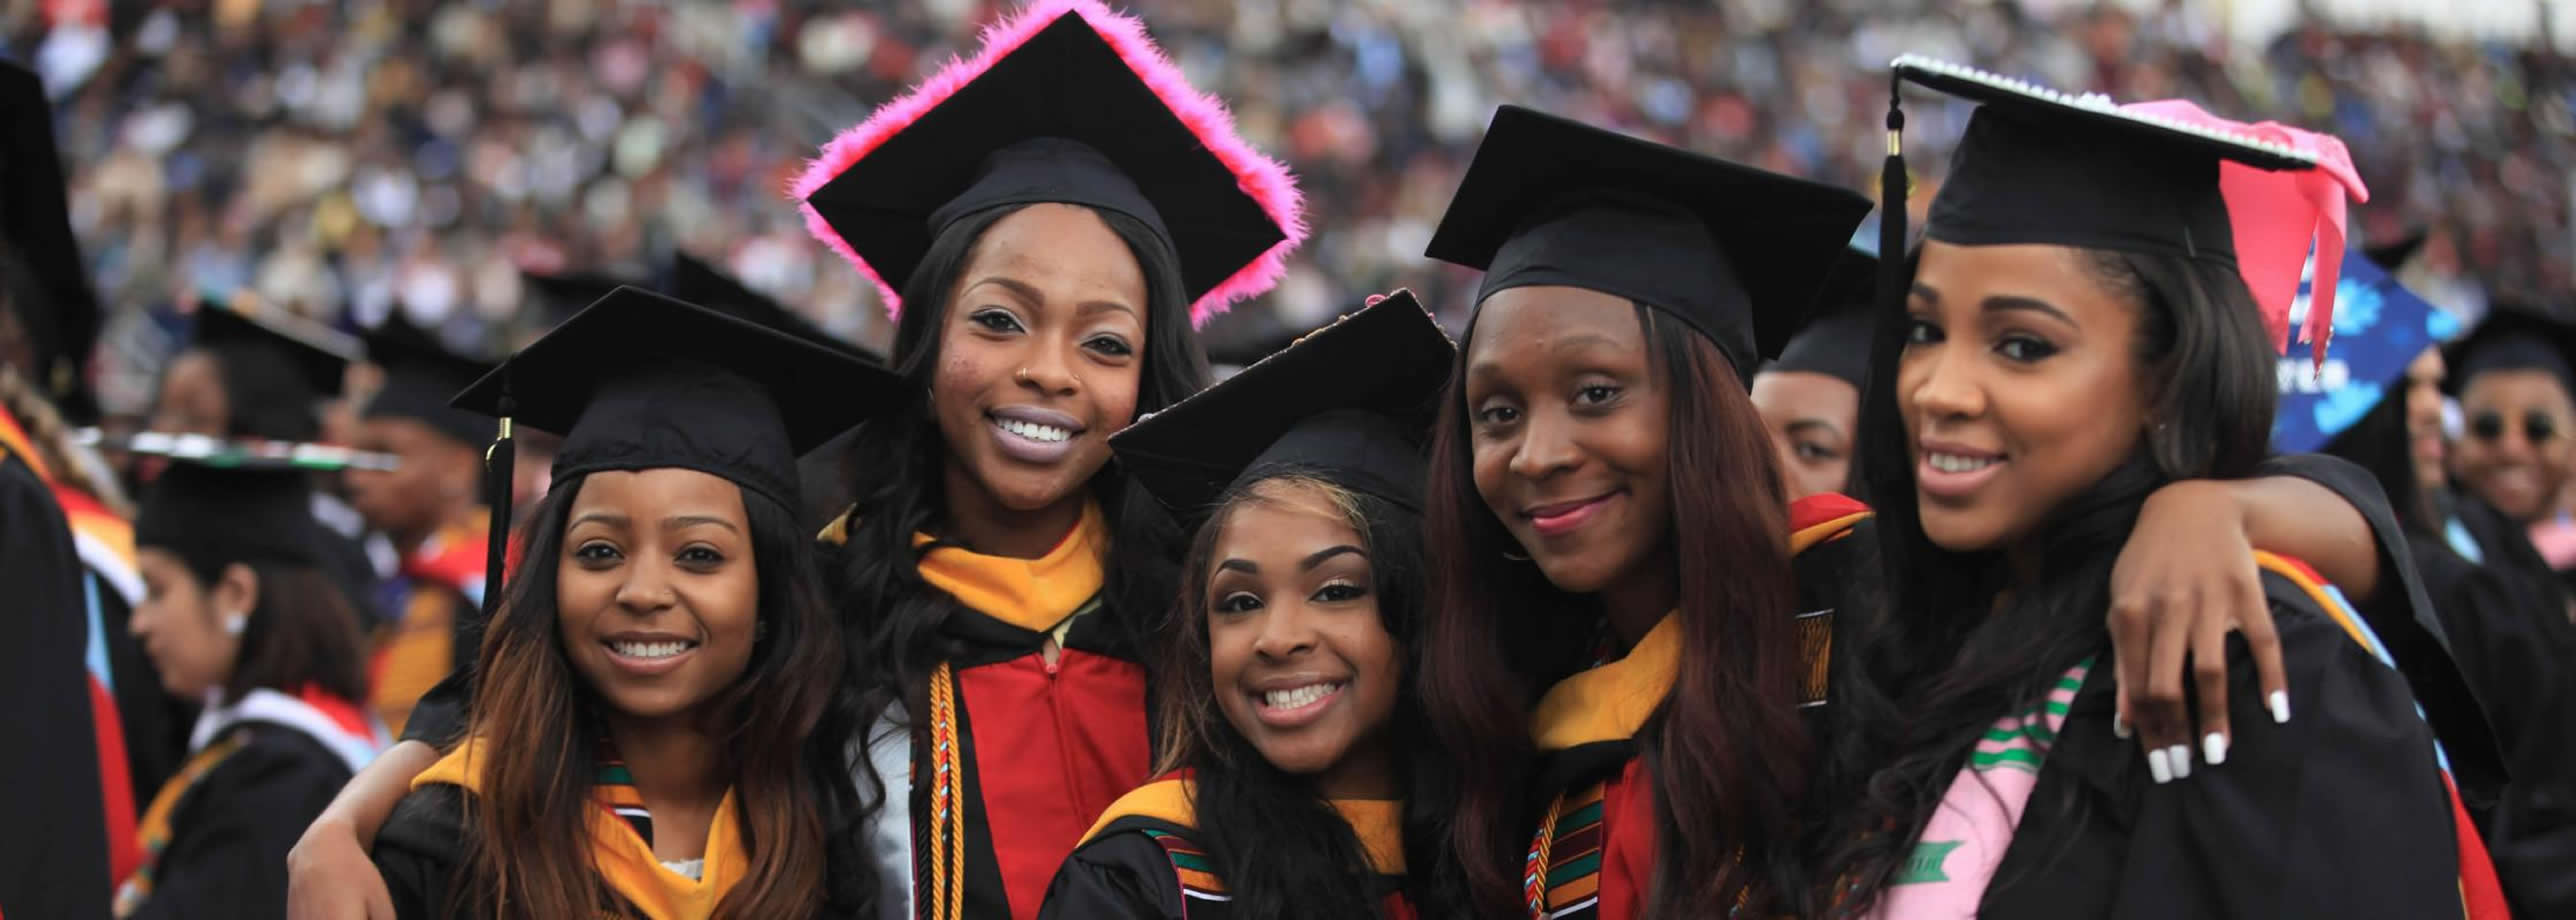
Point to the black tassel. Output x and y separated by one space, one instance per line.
1893 190
500 463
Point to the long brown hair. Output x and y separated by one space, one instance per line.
1281 848
528 850
1726 750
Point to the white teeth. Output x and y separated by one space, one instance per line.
1034 431
1953 463
1301 696
650 649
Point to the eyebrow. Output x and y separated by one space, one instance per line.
1578 341
674 522
678 521
1320 556
1807 424
1029 292
610 518
2016 303
2002 302
1307 564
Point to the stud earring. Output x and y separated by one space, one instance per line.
234 622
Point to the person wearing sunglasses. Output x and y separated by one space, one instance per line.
2516 384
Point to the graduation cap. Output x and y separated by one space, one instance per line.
2384 328
221 503
241 329
242 452
53 300
1351 403
698 282
2392 256
420 374
2513 337
565 293
1066 102
642 381
1737 253
2040 166
1835 341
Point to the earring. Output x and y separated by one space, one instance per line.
234 622
1515 557
759 630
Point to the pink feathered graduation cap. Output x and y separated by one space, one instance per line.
2276 216
1067 101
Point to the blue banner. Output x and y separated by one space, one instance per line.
2379 328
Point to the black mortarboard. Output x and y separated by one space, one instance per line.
421 373
1351 403
213 512
562 294
2513 337
1835 341
319 354
697 282
1067 102
2036 165
642 381
2392 256
55 304
1737 253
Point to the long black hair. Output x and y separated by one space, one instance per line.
1936 660
1281 848
1725 748
540 724
2380 444
893 615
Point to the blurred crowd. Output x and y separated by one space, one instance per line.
354 157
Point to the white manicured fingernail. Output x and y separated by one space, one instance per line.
2158 767
2280 701
2119 726
2180 754
2214 748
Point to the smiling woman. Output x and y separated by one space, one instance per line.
638 736
2083 328
1607 527
1049 217
1300 778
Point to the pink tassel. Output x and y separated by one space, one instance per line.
2277 216
1266 180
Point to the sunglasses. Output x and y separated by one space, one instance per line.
2537 426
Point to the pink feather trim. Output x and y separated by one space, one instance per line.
2278 216
1266 180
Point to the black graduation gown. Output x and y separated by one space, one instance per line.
1130 874
1142 862
1601 850
53 855
2403 615
418 852
226 857
2341 813
2518 650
